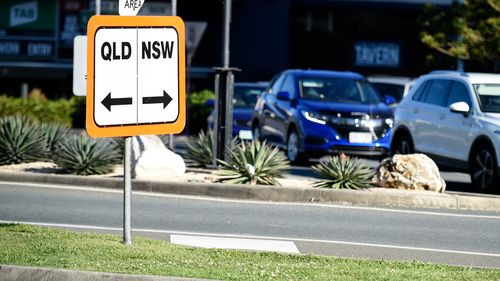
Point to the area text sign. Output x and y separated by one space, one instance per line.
135 76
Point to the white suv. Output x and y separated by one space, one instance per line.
454 118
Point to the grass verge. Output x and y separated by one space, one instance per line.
49 247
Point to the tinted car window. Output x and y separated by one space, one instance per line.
458 93
337 90
419 95
437 92
396 91
246 96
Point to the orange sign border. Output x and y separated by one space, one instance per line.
97 22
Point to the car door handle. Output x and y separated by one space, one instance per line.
442 116
415 110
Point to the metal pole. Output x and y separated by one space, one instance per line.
98 7
227 22
171 144
174 7
127 192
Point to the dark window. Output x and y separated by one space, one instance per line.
437 92
396 91
458 93
419 94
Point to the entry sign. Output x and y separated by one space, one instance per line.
136 76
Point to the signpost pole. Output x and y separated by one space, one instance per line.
171 145
127 192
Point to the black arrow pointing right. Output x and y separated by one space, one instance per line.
165 99
108 101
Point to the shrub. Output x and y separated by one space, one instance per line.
198 110
54 134
62 111
342 172
20 141
82 155
201 150
254 163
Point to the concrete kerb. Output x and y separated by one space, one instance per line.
371 197
14 273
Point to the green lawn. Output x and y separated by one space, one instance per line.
48 247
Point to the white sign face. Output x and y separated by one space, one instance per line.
129 7
136 76
79 65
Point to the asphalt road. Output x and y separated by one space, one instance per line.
449 237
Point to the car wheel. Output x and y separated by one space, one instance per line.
402 145
483 168
292 149
256 133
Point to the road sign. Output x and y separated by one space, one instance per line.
79 65
129 7
135 76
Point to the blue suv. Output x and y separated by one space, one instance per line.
311 113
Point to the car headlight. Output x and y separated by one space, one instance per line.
389 122
315 117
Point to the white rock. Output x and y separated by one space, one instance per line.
151 160
412 171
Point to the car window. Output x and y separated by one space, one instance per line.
246 96
458 93
396 91
489 97
276 84
288 85
419 94
340 90
437 92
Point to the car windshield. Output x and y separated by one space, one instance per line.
340 90
396 91
246 96
489 97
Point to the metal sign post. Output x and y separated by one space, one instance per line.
135 84
127 192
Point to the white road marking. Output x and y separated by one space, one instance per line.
235 243
292 239
204 198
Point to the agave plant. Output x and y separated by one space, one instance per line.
82 155
342 172
20 141
254 163
53 134
201 150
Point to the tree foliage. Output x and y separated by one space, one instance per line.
468 30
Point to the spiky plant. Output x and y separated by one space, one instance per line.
54 134
201 150
342 172
254 163
82 155
20 141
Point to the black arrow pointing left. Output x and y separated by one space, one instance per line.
108 101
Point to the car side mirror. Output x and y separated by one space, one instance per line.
460 107
210 103
285 96
389 100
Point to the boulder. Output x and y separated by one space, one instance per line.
151 160
411 171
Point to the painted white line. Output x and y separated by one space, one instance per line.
235 243
204 198
175 232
